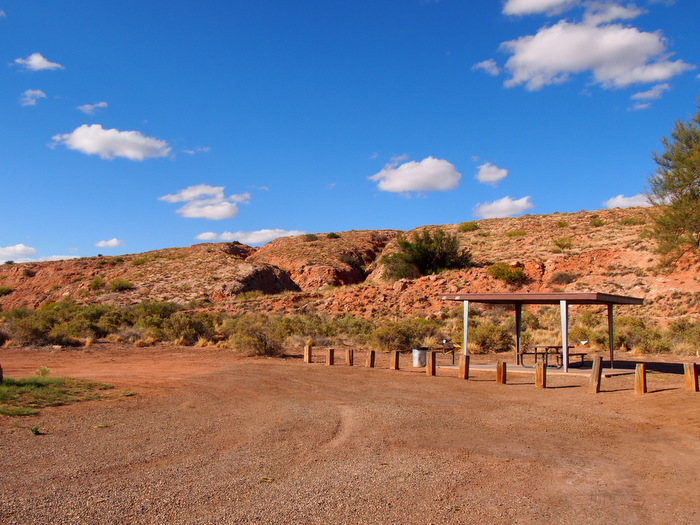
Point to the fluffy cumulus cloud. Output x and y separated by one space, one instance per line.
111 143
18 251
89 109
505 207
489 66
30 97
430 174
36 62
206 202
616 55
112 243
251 238
490 174
628 202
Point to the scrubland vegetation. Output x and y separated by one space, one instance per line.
491 329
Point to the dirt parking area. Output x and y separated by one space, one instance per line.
210 437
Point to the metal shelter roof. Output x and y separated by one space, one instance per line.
542 298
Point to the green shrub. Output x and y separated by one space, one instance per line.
188 327
96 284
563 278
426 253
139 261
468 226
333 235
597 223
4 290
310 237
488 337
632 221
119 285
252 334
507 273
402 334
562 224
515 233
563 243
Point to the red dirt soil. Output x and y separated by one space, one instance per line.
210 437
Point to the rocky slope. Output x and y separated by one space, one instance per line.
602 251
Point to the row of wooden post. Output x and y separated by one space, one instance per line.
640 376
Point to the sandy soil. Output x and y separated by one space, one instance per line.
213 438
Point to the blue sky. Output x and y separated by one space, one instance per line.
130 126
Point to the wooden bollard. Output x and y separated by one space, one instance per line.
640 379
464 366
691 376
394 362
596 375
349 356
307 354
369 363
501 377
330 353
540 375
430 363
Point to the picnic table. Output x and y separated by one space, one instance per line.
544 352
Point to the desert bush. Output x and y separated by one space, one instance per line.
632 221
515 233
139 261
426 253
634 334
96 284
562 224
119 285
563 278
247 296
351 260
597 223
358 331
5 290
189 327
468 226
310 237
252 334
488 337
563 243
402 334
332 235
507 273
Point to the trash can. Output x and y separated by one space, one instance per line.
419 357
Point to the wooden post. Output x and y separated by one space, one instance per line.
430 365
540 375
330 353
596 375
640 379
501 372
691 376
464 366
370 359
349 356
394 363
307 354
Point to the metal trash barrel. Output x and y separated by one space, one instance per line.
419 357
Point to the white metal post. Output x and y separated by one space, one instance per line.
611 335
564 306
466 327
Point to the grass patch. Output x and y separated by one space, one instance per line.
468 226
22 397
119 285
4 290
515 233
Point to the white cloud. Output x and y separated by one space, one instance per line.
505 207
251 238
2 14
36 62
89 109
489 66
490 174
603 12
617 56
430 174
110 143
206 202
528 7
628 202
196 150
640 105
112 243
18 251
30 97
651 94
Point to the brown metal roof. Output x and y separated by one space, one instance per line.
542 298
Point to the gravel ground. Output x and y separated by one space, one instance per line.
212 438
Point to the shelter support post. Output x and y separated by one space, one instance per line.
611 336
518 332
466 327
564 306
